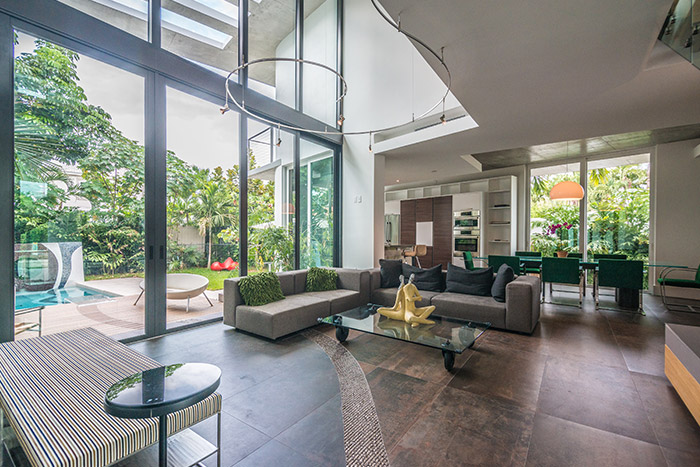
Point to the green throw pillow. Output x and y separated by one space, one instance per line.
260 289
319 280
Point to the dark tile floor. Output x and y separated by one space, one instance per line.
587 388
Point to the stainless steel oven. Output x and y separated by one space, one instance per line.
466 243
466 219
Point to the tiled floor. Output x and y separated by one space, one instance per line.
587 388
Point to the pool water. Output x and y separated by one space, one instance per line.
50 297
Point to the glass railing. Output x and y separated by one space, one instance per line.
681 31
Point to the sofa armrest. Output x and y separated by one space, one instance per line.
523 304
354 279
232 299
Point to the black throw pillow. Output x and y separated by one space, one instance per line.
475 282
390 270
426 279
504 276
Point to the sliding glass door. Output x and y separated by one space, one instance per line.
202 205
317 204
79 192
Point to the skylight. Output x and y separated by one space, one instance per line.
181 24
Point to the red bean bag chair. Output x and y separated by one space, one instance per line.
234 266
228 264
217 266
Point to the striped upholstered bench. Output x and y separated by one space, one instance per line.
52 391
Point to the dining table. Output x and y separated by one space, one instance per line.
624 297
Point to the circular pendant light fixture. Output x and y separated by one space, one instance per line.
344 89
566 191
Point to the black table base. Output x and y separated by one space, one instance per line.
163 441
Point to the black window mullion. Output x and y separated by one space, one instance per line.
7 182
297 201
242 143
154 23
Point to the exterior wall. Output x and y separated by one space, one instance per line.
186 235
676 183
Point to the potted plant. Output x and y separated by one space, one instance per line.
560 232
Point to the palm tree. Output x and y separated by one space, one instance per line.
35 145
214 206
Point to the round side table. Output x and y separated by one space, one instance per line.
162 391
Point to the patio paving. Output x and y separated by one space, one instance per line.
118 317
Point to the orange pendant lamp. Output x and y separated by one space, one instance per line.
566 191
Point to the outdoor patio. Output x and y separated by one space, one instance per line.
118 317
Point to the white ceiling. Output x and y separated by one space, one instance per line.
534 72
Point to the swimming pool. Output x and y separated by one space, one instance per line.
73 294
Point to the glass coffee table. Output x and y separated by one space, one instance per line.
452 336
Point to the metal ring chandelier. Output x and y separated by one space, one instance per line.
334 131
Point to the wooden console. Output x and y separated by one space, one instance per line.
682 364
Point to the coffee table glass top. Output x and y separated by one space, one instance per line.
448 334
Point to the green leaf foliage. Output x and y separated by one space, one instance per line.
260 289
321 279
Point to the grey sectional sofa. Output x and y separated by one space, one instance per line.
299 309
520 312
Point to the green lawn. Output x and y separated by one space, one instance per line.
216 278
97 277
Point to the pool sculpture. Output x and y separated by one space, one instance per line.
404 308
48 265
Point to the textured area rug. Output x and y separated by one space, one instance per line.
362 436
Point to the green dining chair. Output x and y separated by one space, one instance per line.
620 274
571 255
534 254
665 281
528 253
495 262
596 257
468 260
562 271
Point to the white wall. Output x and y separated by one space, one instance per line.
676 184
387 81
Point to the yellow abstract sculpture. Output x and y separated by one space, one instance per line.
404 308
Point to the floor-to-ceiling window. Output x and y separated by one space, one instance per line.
320 46
136 202
270 199
616 213
618 206
554 225
272 33
79 191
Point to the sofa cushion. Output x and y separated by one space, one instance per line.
300 281
261 289
505 276
321 279
390 271
287 279
340 300
278 319
387 297
425 279
474 282
470 307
